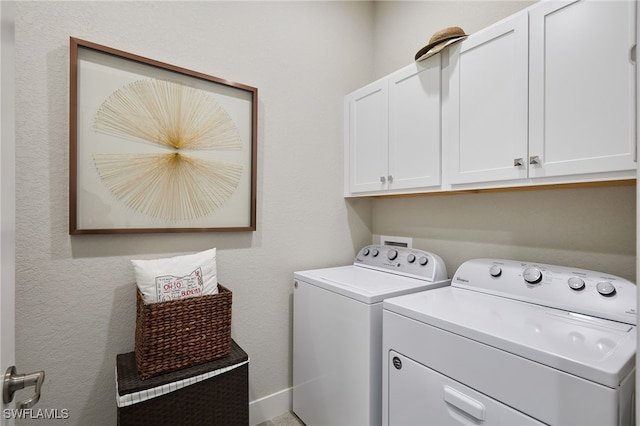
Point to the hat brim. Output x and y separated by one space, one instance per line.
431 49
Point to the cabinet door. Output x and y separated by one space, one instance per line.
582 113
414 126
368 134
486 117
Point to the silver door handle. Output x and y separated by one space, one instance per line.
518 162
534 159
383 179
14 381
390 178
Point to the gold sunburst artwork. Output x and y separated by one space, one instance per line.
177 182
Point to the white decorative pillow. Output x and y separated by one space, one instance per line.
179 277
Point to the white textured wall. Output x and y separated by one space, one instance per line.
591 228
75 295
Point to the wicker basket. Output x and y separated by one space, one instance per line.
182 333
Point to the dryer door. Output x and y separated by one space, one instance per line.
419 395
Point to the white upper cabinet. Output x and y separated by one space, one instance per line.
582 87
486 126
392 132
545 96
414 126
366 137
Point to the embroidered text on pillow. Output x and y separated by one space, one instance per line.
170 287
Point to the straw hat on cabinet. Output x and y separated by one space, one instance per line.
439 40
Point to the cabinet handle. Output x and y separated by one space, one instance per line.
390 179
383 179
534 159
518 162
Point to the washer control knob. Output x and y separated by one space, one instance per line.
423 260
532 275
606 289
365 252
375 252
495 271
411 258
392 254
576 283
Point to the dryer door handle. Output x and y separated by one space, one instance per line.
465 403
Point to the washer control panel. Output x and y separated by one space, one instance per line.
571 289
410 262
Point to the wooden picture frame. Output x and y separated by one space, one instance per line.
157 148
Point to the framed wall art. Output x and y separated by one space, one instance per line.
157 148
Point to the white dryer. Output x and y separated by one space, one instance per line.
511 343
337 331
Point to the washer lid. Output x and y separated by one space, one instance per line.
595 349
364 284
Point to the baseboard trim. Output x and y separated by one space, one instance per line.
270 406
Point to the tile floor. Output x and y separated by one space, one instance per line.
286 419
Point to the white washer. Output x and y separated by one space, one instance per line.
512 342
337 331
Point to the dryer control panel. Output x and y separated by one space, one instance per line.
410 262
572 289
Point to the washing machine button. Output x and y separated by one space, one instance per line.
495 271
411 258
392 254
532 275
606 289
576 283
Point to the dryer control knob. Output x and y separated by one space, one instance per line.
532 275
375 252
576 283
605 288
411 258
365 252
392 254
423 260
495 271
